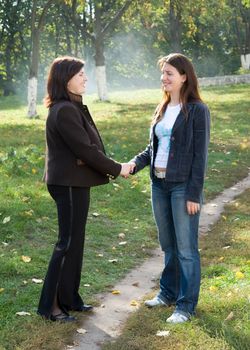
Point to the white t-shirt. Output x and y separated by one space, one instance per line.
163 132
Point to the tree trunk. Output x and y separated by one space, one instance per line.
175 26
8 84
32 83
245 61
101 78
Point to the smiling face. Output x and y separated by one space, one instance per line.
77 83
171 79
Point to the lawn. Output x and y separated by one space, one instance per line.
222 321
28 217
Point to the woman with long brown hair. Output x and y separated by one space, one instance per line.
177 155
75 161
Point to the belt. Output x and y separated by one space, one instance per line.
160 174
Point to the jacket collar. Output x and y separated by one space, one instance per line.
181 118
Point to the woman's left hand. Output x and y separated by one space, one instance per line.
193 208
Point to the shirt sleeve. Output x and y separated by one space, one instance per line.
70 126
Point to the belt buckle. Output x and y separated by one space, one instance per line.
159 174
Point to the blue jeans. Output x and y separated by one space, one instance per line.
178 236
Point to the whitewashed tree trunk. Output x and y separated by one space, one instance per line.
32 95
245 61
101 83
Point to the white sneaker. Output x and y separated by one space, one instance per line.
176 317
156 301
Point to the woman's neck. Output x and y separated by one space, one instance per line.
174 99
74 97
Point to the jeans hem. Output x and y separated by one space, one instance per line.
165 300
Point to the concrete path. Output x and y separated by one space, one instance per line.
106 321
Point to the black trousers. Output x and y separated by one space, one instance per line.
64 271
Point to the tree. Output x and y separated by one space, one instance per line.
12 24
96 22
37 22
241 27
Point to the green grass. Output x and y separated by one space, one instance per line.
123 205
223 311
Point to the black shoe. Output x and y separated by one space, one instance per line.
62 318
84 308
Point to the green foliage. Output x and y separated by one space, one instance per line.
212 33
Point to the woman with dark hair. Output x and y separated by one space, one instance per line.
177 155
75 161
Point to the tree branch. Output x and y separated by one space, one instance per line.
110 26
45 9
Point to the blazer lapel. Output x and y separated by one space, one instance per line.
181 118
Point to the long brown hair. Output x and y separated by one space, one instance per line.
61 71
189 91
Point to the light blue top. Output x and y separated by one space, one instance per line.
163 132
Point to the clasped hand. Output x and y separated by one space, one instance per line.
127 168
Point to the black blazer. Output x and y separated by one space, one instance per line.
188 150
75 153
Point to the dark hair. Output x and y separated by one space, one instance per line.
189 91
61 71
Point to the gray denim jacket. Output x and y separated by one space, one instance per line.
188 150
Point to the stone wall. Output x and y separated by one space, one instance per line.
225 80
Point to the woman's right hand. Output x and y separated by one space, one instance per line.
127 168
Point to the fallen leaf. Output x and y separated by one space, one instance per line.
86 285
36 280
23 313
134 303
163 333
226 247
135 284
25 258
123 243
221 258
113 260
213 288
100 255
224 217
5 244
115 292
239 275
115 184
230 316
81 331
95 214
1 290
6 219
29 212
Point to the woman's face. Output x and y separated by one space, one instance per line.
171 79
77 83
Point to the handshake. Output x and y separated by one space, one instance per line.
127 169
